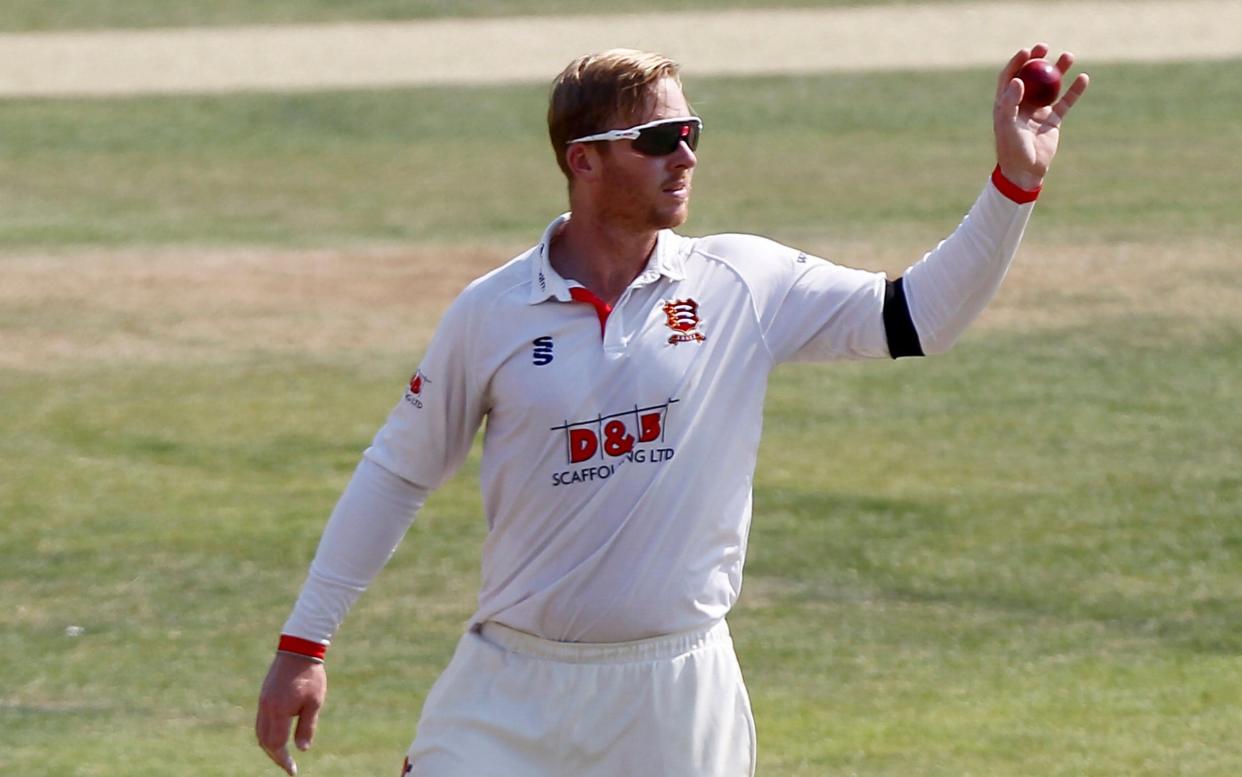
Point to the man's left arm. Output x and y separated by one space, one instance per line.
813 310
928 308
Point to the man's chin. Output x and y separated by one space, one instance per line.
671 219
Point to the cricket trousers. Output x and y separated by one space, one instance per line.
513 705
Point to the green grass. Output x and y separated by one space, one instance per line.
33 15
1045 582
797 158
1015 559
1019 558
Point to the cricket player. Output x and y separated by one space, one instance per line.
621 370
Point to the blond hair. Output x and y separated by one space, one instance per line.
594 91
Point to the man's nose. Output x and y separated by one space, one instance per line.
684 156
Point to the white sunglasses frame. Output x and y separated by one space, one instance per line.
631 133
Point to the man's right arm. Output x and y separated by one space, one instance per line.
425 438
366 526
372 516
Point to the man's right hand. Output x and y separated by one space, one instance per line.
294 687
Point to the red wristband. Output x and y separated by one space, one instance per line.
1012 190
302 647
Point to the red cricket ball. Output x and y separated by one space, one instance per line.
1042 81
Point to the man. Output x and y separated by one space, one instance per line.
611 361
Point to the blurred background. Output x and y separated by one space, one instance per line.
227 230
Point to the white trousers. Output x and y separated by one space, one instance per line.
513 705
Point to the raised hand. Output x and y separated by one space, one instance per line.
1026 138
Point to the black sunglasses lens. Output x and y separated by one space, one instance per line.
664 139
692 136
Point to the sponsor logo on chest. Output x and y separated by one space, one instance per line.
596 447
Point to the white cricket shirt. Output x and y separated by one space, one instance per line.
620 445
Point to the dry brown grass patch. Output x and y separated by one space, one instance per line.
1069 285
207 305
203 305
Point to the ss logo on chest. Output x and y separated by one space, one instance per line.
542 353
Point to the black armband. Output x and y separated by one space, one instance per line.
903 339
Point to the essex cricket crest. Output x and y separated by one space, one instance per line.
683 318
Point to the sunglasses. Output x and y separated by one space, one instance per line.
655 138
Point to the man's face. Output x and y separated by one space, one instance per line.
648 192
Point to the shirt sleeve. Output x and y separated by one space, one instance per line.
949 287
828 312
372 515
429 432
808 309
425 438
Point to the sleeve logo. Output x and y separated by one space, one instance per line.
414 393
683 318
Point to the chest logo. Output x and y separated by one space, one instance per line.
596 447
683 318
542 353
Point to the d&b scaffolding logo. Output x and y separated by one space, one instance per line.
596 446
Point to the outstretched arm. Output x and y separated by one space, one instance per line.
829 312
949 288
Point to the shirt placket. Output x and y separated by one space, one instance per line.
616 336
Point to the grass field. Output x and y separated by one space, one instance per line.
1019 558
39 15
871 152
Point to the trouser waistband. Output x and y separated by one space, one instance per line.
664 646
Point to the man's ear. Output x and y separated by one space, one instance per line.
583 161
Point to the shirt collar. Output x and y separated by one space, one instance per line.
667 260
